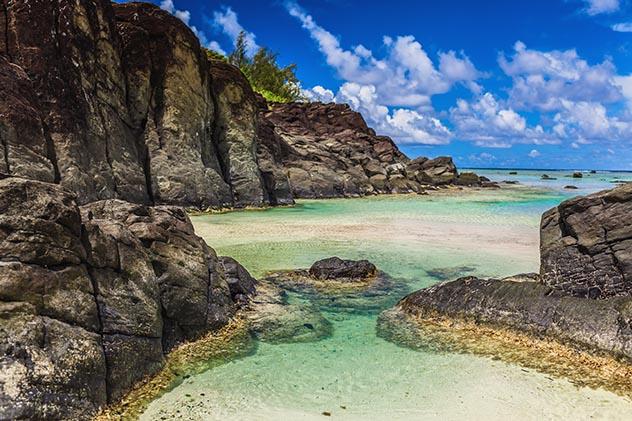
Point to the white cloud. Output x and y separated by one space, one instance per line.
622 27
596 7
405 76
405 125
589 121
226 20
487 122
185 16
483 157
625 84
214 45
318 94
542 80
534 153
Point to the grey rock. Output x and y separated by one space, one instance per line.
337 268
586 245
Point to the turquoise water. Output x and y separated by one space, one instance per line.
357 376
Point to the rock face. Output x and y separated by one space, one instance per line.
92 298
327 150
119 101
586 245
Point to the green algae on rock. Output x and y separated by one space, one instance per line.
339 284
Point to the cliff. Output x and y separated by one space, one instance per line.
119 101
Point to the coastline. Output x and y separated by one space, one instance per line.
440 333
215 348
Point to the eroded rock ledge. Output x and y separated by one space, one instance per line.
93 297
580 299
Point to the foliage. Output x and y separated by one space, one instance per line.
215 55
274 83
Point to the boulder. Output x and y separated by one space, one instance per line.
586 245
577 174
336 268
272 319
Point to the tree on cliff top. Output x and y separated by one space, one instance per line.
275 83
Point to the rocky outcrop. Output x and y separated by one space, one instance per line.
337 268
327 150
525 304
119 101
582 296
92 298
586 245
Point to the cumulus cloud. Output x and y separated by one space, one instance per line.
534 153
404 76
185 16
589 121
482 158
226 21
393 91
489 123
405 125
597 7
318 94
622 27
542 80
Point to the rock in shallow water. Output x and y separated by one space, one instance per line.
273 319
586 245
337 284
337 268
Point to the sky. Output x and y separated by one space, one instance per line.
509 84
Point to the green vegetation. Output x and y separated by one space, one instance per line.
274 83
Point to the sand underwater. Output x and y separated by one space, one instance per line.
353 374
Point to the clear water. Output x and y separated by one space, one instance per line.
355 375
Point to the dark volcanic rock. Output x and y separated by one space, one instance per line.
586 245
586 253
240 283
235 132
327 150
171 107
119 101
91 299
341 285
336 268
525 304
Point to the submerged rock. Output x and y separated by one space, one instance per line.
338 284
273 319
444 274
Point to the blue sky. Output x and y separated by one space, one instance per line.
527 84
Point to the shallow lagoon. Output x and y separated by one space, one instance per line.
355 375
